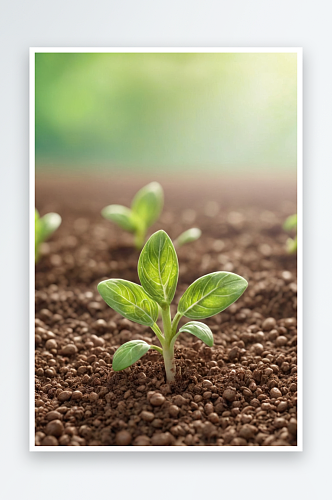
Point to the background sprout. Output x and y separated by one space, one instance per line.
44 227
145 210
158 271
188 236
290 224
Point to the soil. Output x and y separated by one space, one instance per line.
240 392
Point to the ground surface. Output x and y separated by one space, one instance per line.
241 392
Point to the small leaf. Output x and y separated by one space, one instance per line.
48 224
44 227
128 354
122 216
290 223
158 268
291 245
211 294
200 330
130 300
148 203
188 236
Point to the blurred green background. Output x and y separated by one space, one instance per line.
165 112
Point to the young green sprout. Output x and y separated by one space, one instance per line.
145 210
187 237
44 227
158 271
290 224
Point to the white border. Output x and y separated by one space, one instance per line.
296 50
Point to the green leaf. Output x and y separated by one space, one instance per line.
128 354
44 227
130 300
291 245
200 330
48 224
122 216
290 223
158 268
211 294
188 236
148 203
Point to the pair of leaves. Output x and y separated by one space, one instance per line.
145 209
158 271
132 351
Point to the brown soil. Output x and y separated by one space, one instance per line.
241 392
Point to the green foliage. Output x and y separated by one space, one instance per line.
158 272
291 245
188 236
122 216
211 294
200 330
130 300
290 224
44 228
148 203
129 353
158 268
145 210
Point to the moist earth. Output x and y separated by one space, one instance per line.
240 392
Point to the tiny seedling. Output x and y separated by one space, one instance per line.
187 237
158 271
44 227
290 224
145 210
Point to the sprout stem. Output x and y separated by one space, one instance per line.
168 348
158 333
168 353
156 348
139 239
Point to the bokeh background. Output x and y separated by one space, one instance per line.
160 113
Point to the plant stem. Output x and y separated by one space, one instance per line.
168 353
156 348
158 333
175 323
167 323
139 238
168 349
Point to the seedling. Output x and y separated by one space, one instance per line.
44 227
158 271
188 237
145 210
290 224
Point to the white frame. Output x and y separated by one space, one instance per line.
295 50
